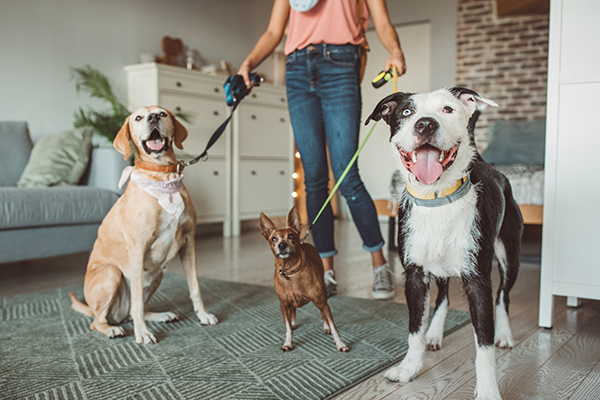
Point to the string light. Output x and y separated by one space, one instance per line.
295 175
294 194
297 154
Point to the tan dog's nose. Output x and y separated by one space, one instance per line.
282 245
153 118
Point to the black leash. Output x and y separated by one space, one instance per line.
235 91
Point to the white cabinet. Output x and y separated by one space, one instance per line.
570 265
249 168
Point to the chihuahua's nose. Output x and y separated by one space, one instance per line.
282 245
426 126
153 118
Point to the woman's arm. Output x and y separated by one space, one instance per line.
387 35
268 41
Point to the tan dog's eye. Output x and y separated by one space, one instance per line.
273 239
138 117
163 114
291 236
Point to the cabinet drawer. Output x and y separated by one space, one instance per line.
205 183
264 187
191 86
261 95
206 116
264 132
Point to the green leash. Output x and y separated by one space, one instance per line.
339 182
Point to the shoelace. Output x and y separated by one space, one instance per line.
329 277
382 279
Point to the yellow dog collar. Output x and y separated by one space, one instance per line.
447 196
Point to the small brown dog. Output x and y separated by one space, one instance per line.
298 276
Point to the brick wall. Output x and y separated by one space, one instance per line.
503 59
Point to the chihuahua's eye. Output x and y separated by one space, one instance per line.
448 110
138 117
163 114
291 236
273 239
406 112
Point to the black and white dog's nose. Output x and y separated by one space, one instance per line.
426 126
153 118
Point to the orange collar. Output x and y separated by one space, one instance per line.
159 168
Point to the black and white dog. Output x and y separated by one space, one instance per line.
456 212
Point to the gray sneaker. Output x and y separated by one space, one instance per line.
330 283
383 283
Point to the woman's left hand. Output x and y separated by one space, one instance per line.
396 59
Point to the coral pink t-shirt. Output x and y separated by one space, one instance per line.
330 21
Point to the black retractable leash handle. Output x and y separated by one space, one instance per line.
235 91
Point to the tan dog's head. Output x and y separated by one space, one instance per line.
153 131
284 242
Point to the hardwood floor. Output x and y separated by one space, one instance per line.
559 363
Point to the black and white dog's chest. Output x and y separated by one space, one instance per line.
442 240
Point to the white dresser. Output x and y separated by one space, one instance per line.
249 169
570 262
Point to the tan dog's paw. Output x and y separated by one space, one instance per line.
343 348
161 316
145 337
114 331
207 319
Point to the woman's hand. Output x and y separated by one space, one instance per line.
396 59
245 72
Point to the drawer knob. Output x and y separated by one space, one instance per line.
215 112
282 100
178 109
178 84
253 116
216 173
253 95
281 172
253 172
282 120
216 90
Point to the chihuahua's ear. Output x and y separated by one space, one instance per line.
294 221
121 142
181 132
266 226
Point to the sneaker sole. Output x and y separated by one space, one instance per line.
382 295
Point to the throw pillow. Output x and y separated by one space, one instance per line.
521 142
58 159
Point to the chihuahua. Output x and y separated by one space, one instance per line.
298 276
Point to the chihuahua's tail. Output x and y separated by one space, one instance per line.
79 306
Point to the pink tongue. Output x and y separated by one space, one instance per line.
156 144
428 168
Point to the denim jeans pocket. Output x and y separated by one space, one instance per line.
291 59
342 57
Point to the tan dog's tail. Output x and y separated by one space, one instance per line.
79 306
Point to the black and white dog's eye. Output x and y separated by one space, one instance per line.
406 112
163 114
448 110
138 117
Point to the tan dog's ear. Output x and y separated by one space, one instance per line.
294 221
266 226
121 142
180 132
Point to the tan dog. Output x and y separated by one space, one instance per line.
139 236
298 276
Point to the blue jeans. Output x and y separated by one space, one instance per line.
323 91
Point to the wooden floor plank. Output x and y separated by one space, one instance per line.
590 387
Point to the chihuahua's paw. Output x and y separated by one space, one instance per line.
287 347
161 316
207 319
144 337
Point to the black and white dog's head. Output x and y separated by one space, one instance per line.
429 134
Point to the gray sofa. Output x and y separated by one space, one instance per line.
50 221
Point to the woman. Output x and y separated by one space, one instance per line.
323 89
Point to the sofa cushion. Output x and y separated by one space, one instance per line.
35 207
519 142
14 152
58 159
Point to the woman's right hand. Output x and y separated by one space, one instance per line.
245 72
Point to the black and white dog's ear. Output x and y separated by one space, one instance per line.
386 107
471 99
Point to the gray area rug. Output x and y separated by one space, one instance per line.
47 350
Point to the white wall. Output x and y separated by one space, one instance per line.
41 39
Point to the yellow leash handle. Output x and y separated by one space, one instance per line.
385 76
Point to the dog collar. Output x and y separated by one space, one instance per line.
456 191
160 168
